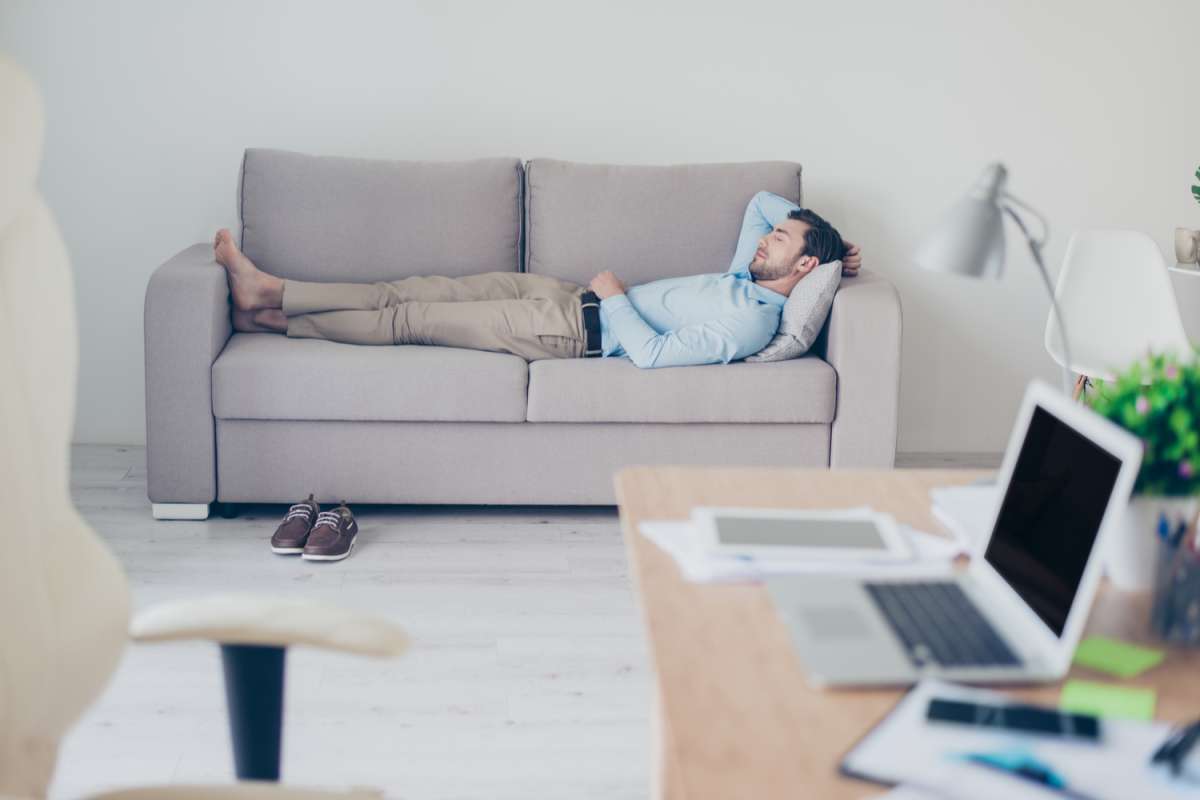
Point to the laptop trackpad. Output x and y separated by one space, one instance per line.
830 623
838 633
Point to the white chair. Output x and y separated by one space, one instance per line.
1117 304
64 597
1185 280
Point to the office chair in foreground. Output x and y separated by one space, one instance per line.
65 598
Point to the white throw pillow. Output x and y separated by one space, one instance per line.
804 314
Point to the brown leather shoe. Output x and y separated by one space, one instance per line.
333 536
292 534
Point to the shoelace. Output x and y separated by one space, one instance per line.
331 518
299 510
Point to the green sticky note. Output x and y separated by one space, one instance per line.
1115 657
1106 700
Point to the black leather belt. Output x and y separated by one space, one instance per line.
591 324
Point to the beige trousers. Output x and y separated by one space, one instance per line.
531 316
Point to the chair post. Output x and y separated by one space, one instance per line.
254 694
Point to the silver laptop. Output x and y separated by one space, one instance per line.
1017 611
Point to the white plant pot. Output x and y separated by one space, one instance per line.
1131 557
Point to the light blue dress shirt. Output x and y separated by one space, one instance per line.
700 319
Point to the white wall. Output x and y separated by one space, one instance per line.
893 107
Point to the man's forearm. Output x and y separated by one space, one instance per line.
764 211
773 208
716 341
634 333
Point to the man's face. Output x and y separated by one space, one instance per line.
779 250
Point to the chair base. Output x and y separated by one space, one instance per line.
179 510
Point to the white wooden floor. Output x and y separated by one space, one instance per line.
528 678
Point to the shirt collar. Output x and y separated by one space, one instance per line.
763 293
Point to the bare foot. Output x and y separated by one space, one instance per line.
252 289
265 320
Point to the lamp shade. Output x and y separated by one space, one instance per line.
970 238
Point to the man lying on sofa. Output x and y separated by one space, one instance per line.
699 319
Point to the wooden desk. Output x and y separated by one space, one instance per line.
734 716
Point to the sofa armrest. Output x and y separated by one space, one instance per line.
269 622
187 324
861 341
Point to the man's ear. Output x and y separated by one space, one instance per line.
807 264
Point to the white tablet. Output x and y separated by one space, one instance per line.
793 534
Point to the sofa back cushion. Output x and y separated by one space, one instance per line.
322 218
643 223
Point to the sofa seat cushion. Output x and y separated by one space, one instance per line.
267 376
614 390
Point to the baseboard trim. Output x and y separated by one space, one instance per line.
179 510
949 460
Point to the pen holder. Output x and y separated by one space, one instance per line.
1175 614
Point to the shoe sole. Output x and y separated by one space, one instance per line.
315 557
287 551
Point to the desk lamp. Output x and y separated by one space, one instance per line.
970 240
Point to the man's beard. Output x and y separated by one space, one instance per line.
765 272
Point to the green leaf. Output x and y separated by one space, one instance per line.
1170 425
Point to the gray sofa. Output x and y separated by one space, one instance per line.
235 417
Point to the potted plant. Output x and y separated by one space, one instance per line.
1158 400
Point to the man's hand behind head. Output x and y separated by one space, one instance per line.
606 285
851 260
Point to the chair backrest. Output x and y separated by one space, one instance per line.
65 599
1117 304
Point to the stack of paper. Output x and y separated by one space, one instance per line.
697 562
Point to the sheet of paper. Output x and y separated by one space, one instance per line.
1115 657
905 748
910 792
1107 700
966 511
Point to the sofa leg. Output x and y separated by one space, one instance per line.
179 510
226 510
254 695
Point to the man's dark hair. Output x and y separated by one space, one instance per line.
821 239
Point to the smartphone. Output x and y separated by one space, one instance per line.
1023 719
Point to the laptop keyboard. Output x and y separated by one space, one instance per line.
938 624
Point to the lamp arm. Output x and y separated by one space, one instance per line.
1035 247
1021 204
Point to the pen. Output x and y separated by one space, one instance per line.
1177 746
1026 768
1177 536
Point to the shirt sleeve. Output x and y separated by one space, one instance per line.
718 341
763 213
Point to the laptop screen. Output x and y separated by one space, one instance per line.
1051 514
